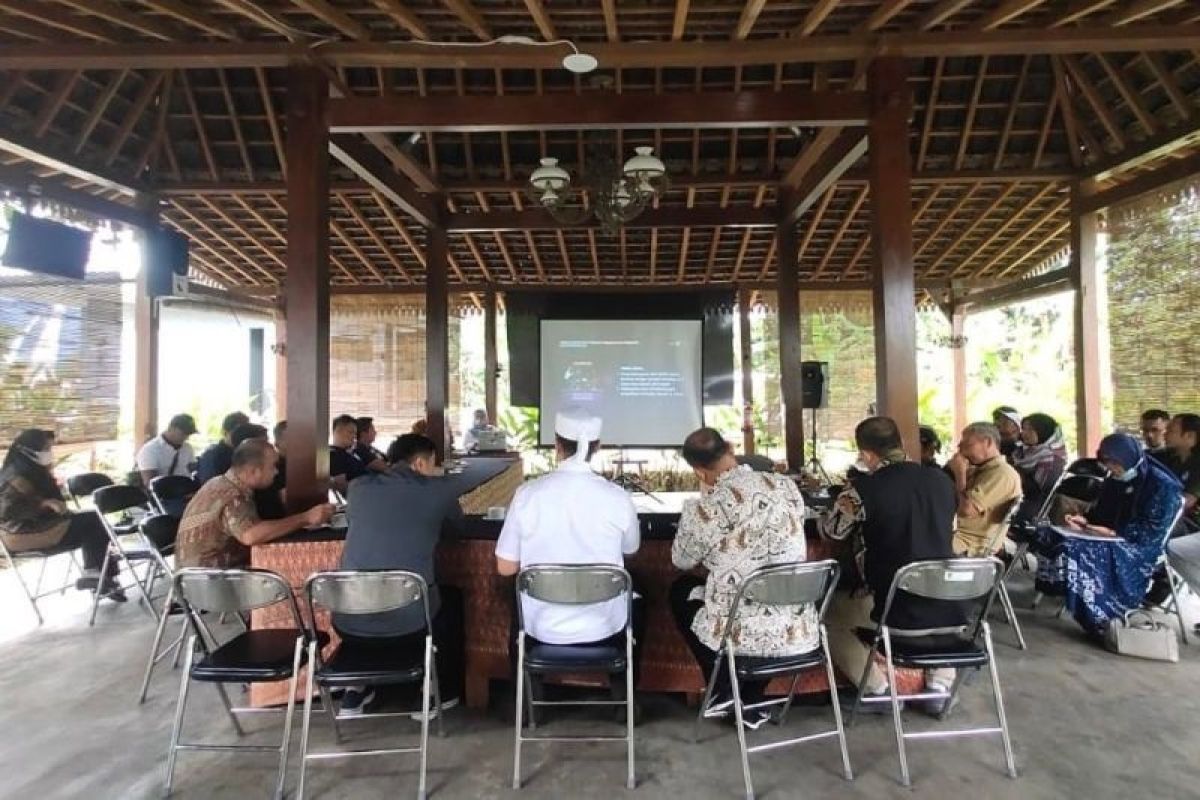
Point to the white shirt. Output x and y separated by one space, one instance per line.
157 455
571 516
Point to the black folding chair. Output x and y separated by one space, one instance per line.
952 580
156 529
573 584
1174 581
84 484
172 492
796 583
252 656
127 545
356 593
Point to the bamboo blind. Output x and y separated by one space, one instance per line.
60 358
1154 317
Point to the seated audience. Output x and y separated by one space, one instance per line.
756 461
1040 460
344 463
168 453
34 515
1154 431
479 424
931 446
396 520
217 458
572 516
1107 573
897 513
220 524
1183 441
987 488
1008 421
365 447
268 502
743 520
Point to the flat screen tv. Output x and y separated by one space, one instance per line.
43 245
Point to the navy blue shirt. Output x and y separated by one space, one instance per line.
345 462
214 461
396 519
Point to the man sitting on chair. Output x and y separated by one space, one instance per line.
897 513
572 516
987 488
743 520
396 521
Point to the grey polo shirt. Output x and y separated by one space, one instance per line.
395 521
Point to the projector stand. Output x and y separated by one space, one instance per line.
814 465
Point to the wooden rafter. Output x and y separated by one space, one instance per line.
106 10
185 11
159 137
542 19
883 15
1012 113
1162 74
1077 10
1007 12
387 250
1130 11
334 17
815 16
247 9
930 113
235 119
268 104
980 218
98 108
337 230
944 10
815 223
45 14
212 235
133 116
470 17
1094 99
244 233
403 16
401 228
1132 99
679 25
847 220
64 84
972 107
998 234
609 7
749 16
198 123
946 220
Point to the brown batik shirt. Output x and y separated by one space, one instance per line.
220 512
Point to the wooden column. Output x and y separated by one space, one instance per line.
307 289
891 247
788 288
490 364
1085 277
145 336
746 346
437 335
958 351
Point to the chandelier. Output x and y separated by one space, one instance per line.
613 195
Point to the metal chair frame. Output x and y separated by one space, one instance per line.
573 584
127 555
1042 516
368 592
14 559
91 481
952 579
788 584
161 496
1173 579
236 591
994 544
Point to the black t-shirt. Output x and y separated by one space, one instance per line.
365 453
345 462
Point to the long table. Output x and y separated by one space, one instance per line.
468 562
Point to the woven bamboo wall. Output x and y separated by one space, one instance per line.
1154 303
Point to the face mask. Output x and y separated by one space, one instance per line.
863 467
41 457
1127 475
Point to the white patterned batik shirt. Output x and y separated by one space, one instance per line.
749 520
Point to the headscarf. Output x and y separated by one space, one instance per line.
579 426
1043 425
1050 446
20 462
1007 412
1121 448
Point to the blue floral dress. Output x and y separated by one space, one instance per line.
1102 579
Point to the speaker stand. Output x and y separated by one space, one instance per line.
813 465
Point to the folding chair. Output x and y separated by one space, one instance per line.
16 558
126 543
791 584
171 493
159 528
84 484
1173 579
355 593
573 584
1006 605
951 580
255 656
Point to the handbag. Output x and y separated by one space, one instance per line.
1139 635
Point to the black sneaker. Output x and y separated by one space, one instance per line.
355 702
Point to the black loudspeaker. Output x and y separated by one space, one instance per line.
166 263
814 384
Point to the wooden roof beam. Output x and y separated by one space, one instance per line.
21 180
1078 10
749 16
941 12
669 217
1180 137
1007 12
114 13
405 17
679 24
1094 99
334 17
185 11
815 16
845 151
32 150
371 166
883 15
1173 171
58 18
479 114
1130 12
469 16
542 19
609 7
611 55
1132 99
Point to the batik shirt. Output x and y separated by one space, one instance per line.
749 520
208 533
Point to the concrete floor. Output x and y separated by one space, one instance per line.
1085 724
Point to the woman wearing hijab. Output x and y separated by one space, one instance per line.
34 516
1040 459
1108 572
